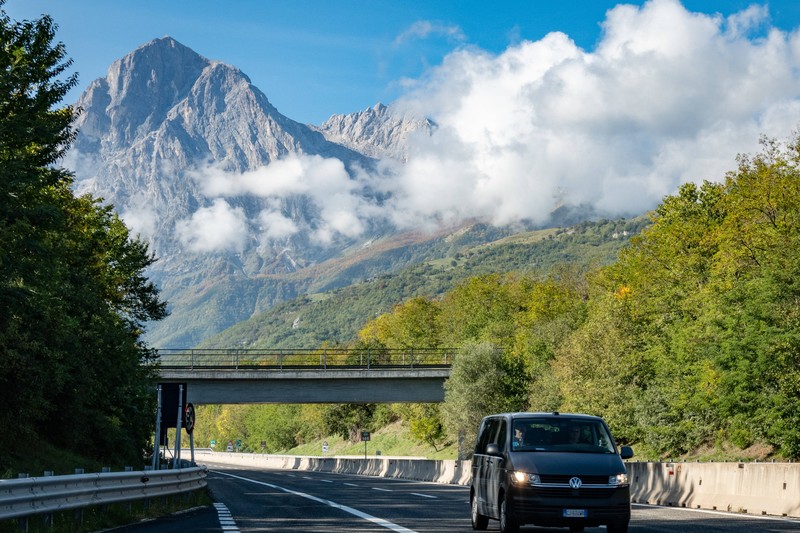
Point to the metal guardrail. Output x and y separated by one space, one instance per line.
20 498
300 359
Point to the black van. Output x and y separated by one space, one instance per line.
549 469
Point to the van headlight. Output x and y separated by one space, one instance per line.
619 480
524 477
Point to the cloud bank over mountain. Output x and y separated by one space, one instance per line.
667 96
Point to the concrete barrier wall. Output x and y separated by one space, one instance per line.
754 488
437 471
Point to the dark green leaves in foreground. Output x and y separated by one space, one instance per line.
72 294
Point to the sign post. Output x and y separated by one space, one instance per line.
365 438
188 416
157 441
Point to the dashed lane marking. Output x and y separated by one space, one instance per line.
226 521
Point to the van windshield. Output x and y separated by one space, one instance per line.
561 434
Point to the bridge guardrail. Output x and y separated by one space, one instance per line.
25 497
236 359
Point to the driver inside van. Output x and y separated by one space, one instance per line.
574 434
519 435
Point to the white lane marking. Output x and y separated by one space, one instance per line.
380 489
375 520
351 484
326 480
225 518
424 495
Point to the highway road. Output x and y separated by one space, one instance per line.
312 502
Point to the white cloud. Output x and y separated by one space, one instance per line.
276 226
667 96
218 227
422 29
141 220
325 182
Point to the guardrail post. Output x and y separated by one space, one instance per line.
411 357
47 519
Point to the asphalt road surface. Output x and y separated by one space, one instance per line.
314 502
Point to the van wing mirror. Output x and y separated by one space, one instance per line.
493 449
626 452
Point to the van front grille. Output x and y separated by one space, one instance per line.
564 479
566 492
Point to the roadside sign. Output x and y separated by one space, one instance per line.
325 447
365 438
213 443
188 418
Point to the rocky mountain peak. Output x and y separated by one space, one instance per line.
378 131
138 91
165 122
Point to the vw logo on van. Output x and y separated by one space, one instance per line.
575 482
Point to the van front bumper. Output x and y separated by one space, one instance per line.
563 506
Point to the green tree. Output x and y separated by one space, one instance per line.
757 289
73 297
554 309
425 423
476 388
275 425
489 309
411 324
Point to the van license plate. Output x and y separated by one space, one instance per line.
574 513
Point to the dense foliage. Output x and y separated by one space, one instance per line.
337 315
72 293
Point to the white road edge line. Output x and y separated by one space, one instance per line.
375 520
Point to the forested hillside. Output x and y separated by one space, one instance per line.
689 341
335 316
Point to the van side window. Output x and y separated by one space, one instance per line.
488 430
501 435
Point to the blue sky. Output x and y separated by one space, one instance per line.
538 104
321 57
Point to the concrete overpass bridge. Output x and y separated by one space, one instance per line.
230 376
